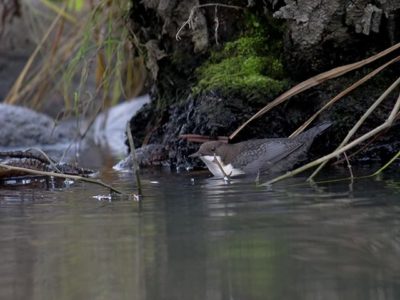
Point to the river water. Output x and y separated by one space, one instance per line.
194 237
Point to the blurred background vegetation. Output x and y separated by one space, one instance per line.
82 58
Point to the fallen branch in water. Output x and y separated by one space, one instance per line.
60 175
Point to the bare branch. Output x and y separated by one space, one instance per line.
344 93
337 152
360 122
60 175
313 81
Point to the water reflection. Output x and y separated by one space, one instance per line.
201 239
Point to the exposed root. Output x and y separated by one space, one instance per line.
190 23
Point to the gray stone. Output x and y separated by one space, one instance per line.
21 127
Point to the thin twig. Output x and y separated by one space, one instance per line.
380 170
40 75
216 26
349 166
189 20
11 97
355 152
49 160
226 176
60 175
350 171
342 94
60 11
135 165
387 164
386 124
360 122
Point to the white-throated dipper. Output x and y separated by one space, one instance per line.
263 156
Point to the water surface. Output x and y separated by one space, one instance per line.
193 237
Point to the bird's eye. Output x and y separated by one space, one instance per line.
213 149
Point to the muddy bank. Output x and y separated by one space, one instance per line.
234 58
212 116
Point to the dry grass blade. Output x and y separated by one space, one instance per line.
360 122
342 94
387 164
59 11
313 81
42 75
389 121
62 65
11 98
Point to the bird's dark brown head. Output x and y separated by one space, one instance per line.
208 148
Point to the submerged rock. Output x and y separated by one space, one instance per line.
149 155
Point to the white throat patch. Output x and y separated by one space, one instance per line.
212 165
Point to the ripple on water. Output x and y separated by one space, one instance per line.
236 240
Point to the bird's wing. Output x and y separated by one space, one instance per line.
261 154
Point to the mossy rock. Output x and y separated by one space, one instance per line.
246 66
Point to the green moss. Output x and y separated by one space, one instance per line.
247 65
244 74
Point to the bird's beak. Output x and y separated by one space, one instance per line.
196 154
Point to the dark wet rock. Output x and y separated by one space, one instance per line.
147 156
212 115
383 147
312 36
37 162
